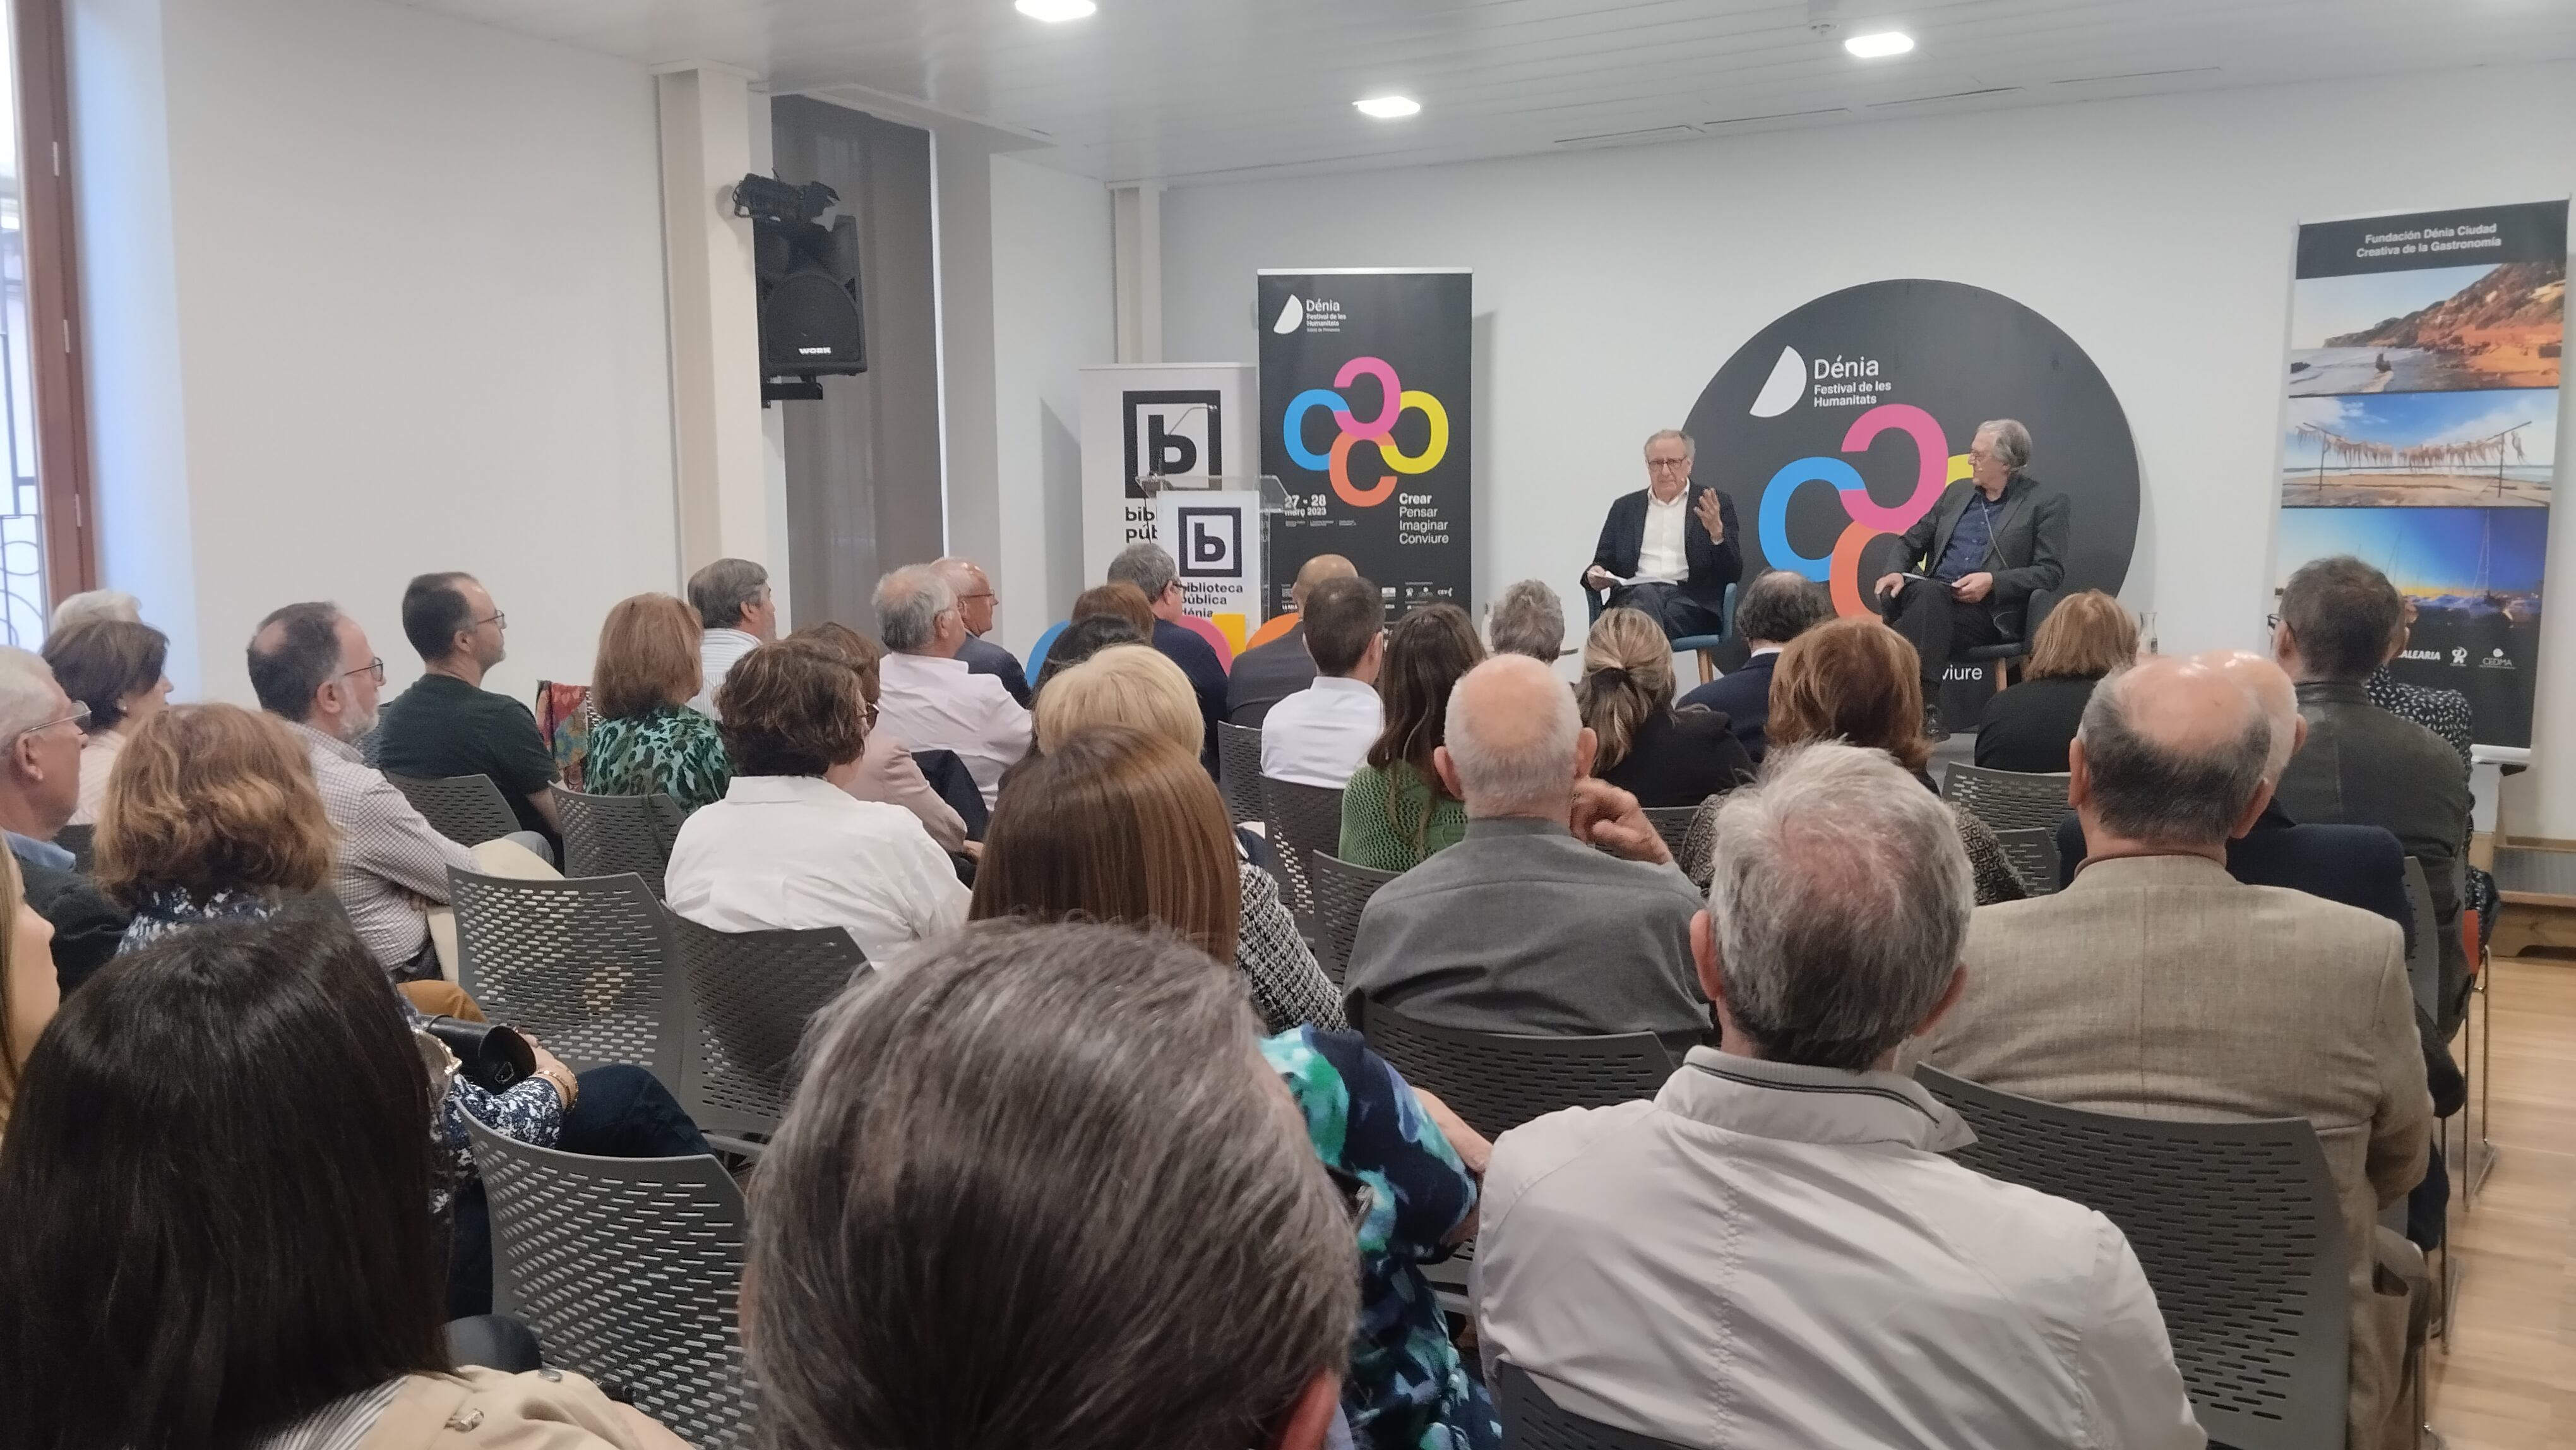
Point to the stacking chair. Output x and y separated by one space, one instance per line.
2238 1229
1238 770
583 964
1672 823
2008 800
466 809
1304 821
1499 1082
1342 892
749 996
1533 1421
605 835
2033 854
630 1272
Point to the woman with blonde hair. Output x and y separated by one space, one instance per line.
1660 755
648 741
1062 813
2029 726
1858 681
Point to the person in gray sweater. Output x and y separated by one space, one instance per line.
1561 912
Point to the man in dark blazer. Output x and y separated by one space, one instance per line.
975 602
1996 538
1669 548
1268 673
1774 609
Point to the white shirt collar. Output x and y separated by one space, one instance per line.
1677 501
786 790
1344 685
1768 649
1811 1104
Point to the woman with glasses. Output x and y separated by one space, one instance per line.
648 741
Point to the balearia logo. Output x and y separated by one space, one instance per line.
1291 317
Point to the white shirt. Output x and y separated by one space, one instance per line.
98 757
1769 1254
1660 554
938 704
717 651
793 852
1322 733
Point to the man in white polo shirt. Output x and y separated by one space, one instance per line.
1322 733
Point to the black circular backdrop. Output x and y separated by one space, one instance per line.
1959 353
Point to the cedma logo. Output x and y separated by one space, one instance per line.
1173 433
1394 400
1843 422
1211 543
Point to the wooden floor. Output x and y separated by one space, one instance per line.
2507 1378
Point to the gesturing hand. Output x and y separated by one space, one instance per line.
1711 517
1610 818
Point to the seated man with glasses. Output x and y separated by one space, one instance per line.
975 605
447 723
1669 549
40 727
311 666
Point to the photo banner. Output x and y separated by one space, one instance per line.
1365 421
2420 431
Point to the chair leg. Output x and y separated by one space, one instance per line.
1707 666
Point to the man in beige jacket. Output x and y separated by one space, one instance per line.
2157 985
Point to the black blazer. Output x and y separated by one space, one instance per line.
1744 697
2029 726
983 657
1681 758
2028 554
1714 563
1267 674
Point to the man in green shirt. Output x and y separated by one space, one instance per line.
447 723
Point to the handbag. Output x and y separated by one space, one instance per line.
491 1056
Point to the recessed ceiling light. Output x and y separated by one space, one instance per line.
1879 43
1388 108
1055 12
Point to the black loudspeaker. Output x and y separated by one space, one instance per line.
811 321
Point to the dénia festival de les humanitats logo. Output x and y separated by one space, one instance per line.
1839 425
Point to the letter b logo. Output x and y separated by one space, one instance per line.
1168 453
1211 543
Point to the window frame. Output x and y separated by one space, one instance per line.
60 383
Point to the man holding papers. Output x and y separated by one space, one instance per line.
1669 548
1970 566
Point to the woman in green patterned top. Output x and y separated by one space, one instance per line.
1394 812
648 741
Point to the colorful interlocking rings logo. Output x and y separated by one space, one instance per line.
1380 430
1934 469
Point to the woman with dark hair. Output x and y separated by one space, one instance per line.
1394 813
216 1189
1088 636
114 667
2029 726
648 741
887 772
1660 755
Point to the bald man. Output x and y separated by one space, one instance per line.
1267 674
975 602
2157 984
1524 926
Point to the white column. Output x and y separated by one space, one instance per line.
1136 226
715 324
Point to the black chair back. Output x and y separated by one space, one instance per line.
1499 1082
2033 854
1238 770
1673 824
1304 820
2008 800
466 809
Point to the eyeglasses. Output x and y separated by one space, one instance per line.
375 667
2271 621
78 717
987 594
1668 463
498 620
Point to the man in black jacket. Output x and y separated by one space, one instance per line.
39 787
1669 549
1970 566
1775 608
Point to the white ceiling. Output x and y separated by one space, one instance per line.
1198 90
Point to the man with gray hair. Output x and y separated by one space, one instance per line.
1669 550
1526 619
736 610
1151 570
975 605
39 789
2158 985
1524 926
1777 607
928 699
1780 1220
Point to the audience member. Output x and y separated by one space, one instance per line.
1773 609
931 700
887 772
1118 599
94 604
30 991
114 667
1108 829
1155 576
2029 726
1395 811
1523 926
1660 755
1527 619
975 601
2155 984
2362 766
913 1288
1812 1250
649 741
1322 733
216 1195
2444 712
789 848
1087 637
1855 680
1268 673
39 786
736 615
447 723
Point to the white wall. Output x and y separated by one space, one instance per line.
1052 316
370 292
1611 285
